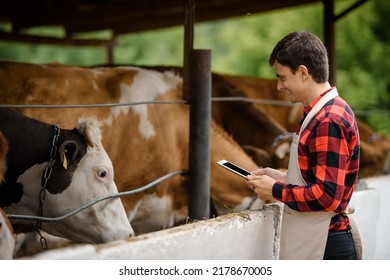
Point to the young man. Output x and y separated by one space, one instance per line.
324 158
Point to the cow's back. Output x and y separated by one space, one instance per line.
56 84
285 113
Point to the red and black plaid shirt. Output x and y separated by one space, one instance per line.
328 156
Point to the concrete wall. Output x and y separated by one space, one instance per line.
244 235
372 215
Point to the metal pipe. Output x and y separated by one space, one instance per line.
199 150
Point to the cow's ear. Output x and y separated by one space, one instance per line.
88 137
90 128
61 176
68 152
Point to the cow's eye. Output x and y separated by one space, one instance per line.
101 173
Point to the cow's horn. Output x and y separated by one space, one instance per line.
88 137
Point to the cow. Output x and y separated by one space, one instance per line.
260 135
374 150
52 171
276 104
144 141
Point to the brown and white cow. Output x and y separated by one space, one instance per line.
282 110
374 151
262 137
80 172
143 141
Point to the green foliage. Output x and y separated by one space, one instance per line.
161 47
362 72
242 46
381 22
51 53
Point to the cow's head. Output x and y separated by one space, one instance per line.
280 150
374 157
277 156
82 172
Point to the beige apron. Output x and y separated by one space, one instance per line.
304 234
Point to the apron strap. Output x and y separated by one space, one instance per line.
304 234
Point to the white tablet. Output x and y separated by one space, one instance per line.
233 168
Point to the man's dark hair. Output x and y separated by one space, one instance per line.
302 48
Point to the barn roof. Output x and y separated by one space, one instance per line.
124 16
127 16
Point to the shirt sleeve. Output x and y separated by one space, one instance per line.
326 156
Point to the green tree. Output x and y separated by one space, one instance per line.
362 73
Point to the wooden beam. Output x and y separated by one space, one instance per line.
132 16
163 14
25 38
350 9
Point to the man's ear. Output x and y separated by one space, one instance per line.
303 72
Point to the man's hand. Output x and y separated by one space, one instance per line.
278 175
262 181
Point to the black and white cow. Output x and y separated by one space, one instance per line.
81 171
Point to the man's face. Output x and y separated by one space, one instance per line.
288 82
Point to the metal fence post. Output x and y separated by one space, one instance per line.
200 116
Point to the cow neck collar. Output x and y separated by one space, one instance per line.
45 178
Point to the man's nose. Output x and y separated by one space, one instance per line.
279 86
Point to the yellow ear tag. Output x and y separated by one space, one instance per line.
65 163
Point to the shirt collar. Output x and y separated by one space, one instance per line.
308 108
